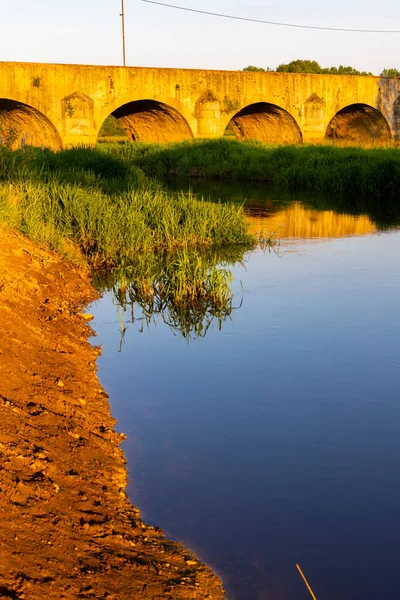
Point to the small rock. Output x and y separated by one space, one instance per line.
87 316
60 383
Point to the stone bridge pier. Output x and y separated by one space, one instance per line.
65 105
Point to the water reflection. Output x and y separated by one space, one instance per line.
189 290
297 221
276 440
262 197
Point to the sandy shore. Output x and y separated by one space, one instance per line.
67 528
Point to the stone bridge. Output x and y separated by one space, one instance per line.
63 105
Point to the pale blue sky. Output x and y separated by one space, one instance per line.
88 32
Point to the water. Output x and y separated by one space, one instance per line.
275 440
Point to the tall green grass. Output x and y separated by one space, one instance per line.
315 168
106 206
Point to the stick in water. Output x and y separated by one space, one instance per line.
306 582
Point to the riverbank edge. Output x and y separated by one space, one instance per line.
323 168
68 528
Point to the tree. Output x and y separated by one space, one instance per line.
390 73
311 66
344 71
252 68
111 128
300 66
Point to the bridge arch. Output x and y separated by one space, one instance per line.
152 121
359 124
266 123
22 124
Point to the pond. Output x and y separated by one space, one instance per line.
273 439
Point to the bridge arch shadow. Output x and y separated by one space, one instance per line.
360 125
151 121
21 124
266 123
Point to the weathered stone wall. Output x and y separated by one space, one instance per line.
69 103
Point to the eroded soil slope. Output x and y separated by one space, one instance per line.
67 530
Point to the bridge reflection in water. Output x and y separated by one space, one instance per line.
297 221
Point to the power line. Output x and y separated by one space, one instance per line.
236 18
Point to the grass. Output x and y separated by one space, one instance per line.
161 251
169 252
104 205
338 170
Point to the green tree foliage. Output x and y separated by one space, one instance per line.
311 66
300 66
390 73
252 68
111 128
345 71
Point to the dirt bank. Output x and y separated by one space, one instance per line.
67 529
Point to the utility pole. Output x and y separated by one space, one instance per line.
123 32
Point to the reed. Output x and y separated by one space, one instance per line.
343 170
104 205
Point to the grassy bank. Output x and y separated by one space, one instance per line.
317 168
102 203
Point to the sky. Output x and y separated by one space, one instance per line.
89 32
